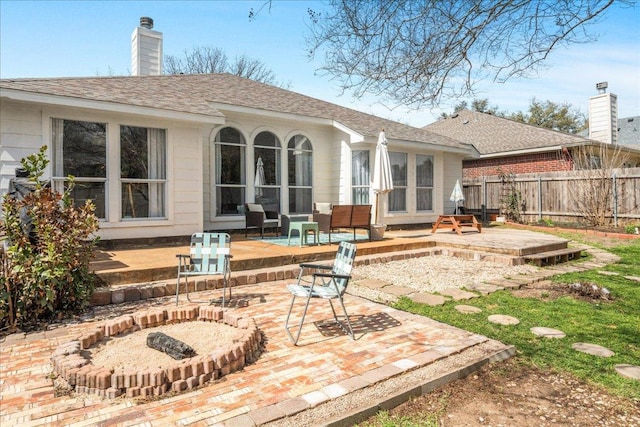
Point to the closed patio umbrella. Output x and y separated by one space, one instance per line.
456 195
259 180
382 177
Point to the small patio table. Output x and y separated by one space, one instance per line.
303 227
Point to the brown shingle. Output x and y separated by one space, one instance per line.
196 94
491 134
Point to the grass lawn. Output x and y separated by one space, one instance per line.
612 324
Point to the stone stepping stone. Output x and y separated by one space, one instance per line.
468 309
547 332
503 319
634 278
429 299
397 291
485 288
372 283
458 294
608 273
593 349
628 371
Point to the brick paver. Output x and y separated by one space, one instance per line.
285 379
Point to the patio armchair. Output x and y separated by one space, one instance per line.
261 217
326 282
322 215
209 255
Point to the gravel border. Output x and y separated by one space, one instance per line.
359 405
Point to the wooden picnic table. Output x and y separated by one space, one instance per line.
456 222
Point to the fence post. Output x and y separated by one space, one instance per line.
484 198
539 199
615 199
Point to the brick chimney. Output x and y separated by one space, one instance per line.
603 115
146 49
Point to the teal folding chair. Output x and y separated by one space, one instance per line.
209 255
327 282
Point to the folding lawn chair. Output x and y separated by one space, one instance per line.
330 283
209 255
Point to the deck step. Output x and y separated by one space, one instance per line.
553 257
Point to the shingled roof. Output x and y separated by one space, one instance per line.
200 93
492 135
629 131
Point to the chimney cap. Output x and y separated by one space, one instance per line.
146 22
602 87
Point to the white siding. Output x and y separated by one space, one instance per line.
24 129
20 136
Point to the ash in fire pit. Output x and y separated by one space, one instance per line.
173 347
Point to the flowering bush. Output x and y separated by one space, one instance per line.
45 260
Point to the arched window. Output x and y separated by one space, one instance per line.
230 171
300 172
266 148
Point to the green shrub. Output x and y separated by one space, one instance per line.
45 273
632 228
546 221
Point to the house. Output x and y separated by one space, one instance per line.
513 147
169 155
629 132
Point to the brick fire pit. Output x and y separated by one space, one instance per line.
79 374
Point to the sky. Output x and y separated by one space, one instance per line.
49 38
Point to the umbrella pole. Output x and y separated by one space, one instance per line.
377 206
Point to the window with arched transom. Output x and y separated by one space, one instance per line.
266 149
300 174
230 168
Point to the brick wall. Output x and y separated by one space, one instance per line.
527 163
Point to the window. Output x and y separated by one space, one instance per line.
80 150
360 177
267 151
300 162
398 197
143 168
230 171
424 183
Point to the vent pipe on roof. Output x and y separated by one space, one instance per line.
146 22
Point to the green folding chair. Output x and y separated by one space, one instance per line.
327 282
209 255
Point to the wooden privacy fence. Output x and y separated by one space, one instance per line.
552 195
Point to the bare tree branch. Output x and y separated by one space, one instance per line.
205 60
415 53
592 193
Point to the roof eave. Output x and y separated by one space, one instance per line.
355 136
65 101
521 152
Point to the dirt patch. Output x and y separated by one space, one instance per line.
510 394
546 290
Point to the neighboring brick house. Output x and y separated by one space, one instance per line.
511 147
